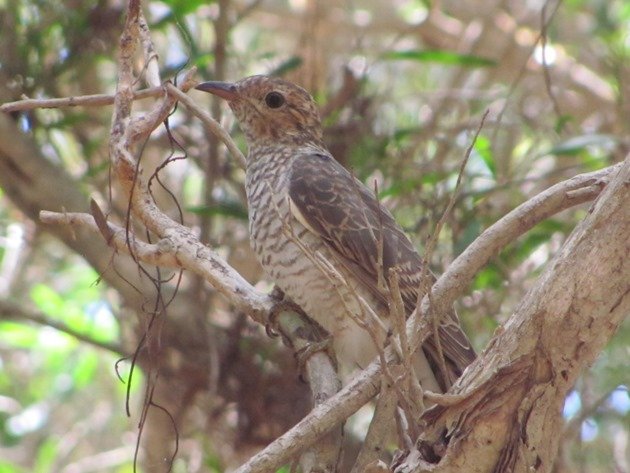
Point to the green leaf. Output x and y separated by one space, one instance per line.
227 209
292 63
79 307
18 335
85 369
48 300
183 7
488 277
203 60
6 467
46 454
484 150
440 57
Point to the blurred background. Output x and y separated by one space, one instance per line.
402 86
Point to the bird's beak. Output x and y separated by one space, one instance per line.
225 90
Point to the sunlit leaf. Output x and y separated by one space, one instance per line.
6 467
488 277
48 300
79 308
85 369
18 335
484 150
46 455
203 60
440 57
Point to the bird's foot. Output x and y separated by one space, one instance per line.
313 337
282 304
303 354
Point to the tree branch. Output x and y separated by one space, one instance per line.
566 194
127 132
194 256
448 287
12 310
508 417
210 123
97 100
126 138
158 254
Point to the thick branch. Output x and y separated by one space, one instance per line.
559 197
508 417
194 256
448 287
157 254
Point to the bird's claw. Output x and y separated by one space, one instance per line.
282 304
319 339
303 354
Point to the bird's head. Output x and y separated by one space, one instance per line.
270 110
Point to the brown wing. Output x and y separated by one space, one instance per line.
345 213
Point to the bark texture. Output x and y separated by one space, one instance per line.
505 415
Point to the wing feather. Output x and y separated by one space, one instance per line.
330 202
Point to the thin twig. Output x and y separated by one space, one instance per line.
545 65
97 100
430 246
210 123
15 311
151 57
521 73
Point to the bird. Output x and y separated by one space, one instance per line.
324 238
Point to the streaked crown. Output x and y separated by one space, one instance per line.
271 110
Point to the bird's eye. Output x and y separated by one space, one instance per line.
274 100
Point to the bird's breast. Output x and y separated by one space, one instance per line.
298 261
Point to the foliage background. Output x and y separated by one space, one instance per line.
402 86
